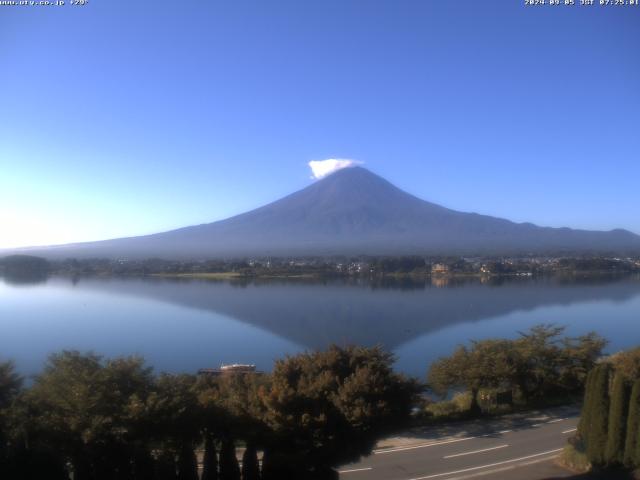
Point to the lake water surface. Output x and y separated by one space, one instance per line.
184 325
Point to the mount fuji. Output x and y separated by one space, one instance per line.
351 211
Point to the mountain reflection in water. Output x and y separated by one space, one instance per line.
419 320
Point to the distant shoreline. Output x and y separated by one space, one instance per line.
206 275
229 275
436 270
394 275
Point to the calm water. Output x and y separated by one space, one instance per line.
186 325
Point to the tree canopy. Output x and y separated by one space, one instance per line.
327 408
537 363
115 419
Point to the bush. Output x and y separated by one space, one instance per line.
455 407
574 458
462 401
442 409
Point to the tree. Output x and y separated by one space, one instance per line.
596 417
82 408
487 364
210 460
229 468
537 363
275 466
232 407
143 464
10 387
250 465
636 457
187 463
328 408
165 466
24 268
70 393
172 417
618 412
628 363
578 356
10 384
586 404
631 457
539 360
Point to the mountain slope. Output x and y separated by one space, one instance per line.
353 211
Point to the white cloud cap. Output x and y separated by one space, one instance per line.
322 168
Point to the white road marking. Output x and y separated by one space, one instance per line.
476 451
423 445
355 470
487 466
503 468
570 430
445 442
557 420
541 419
435 444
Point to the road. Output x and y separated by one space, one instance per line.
521 447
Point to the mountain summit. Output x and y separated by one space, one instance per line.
353 211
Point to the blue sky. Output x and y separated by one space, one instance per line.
123 118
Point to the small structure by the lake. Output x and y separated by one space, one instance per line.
439 269
232 369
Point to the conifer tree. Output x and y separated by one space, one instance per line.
268 469
275 466
636 457
187 463
633 428
618 411
210 460
597 416
250 466
229 468
165 466
586 405
143 464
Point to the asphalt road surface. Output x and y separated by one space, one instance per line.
522 448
